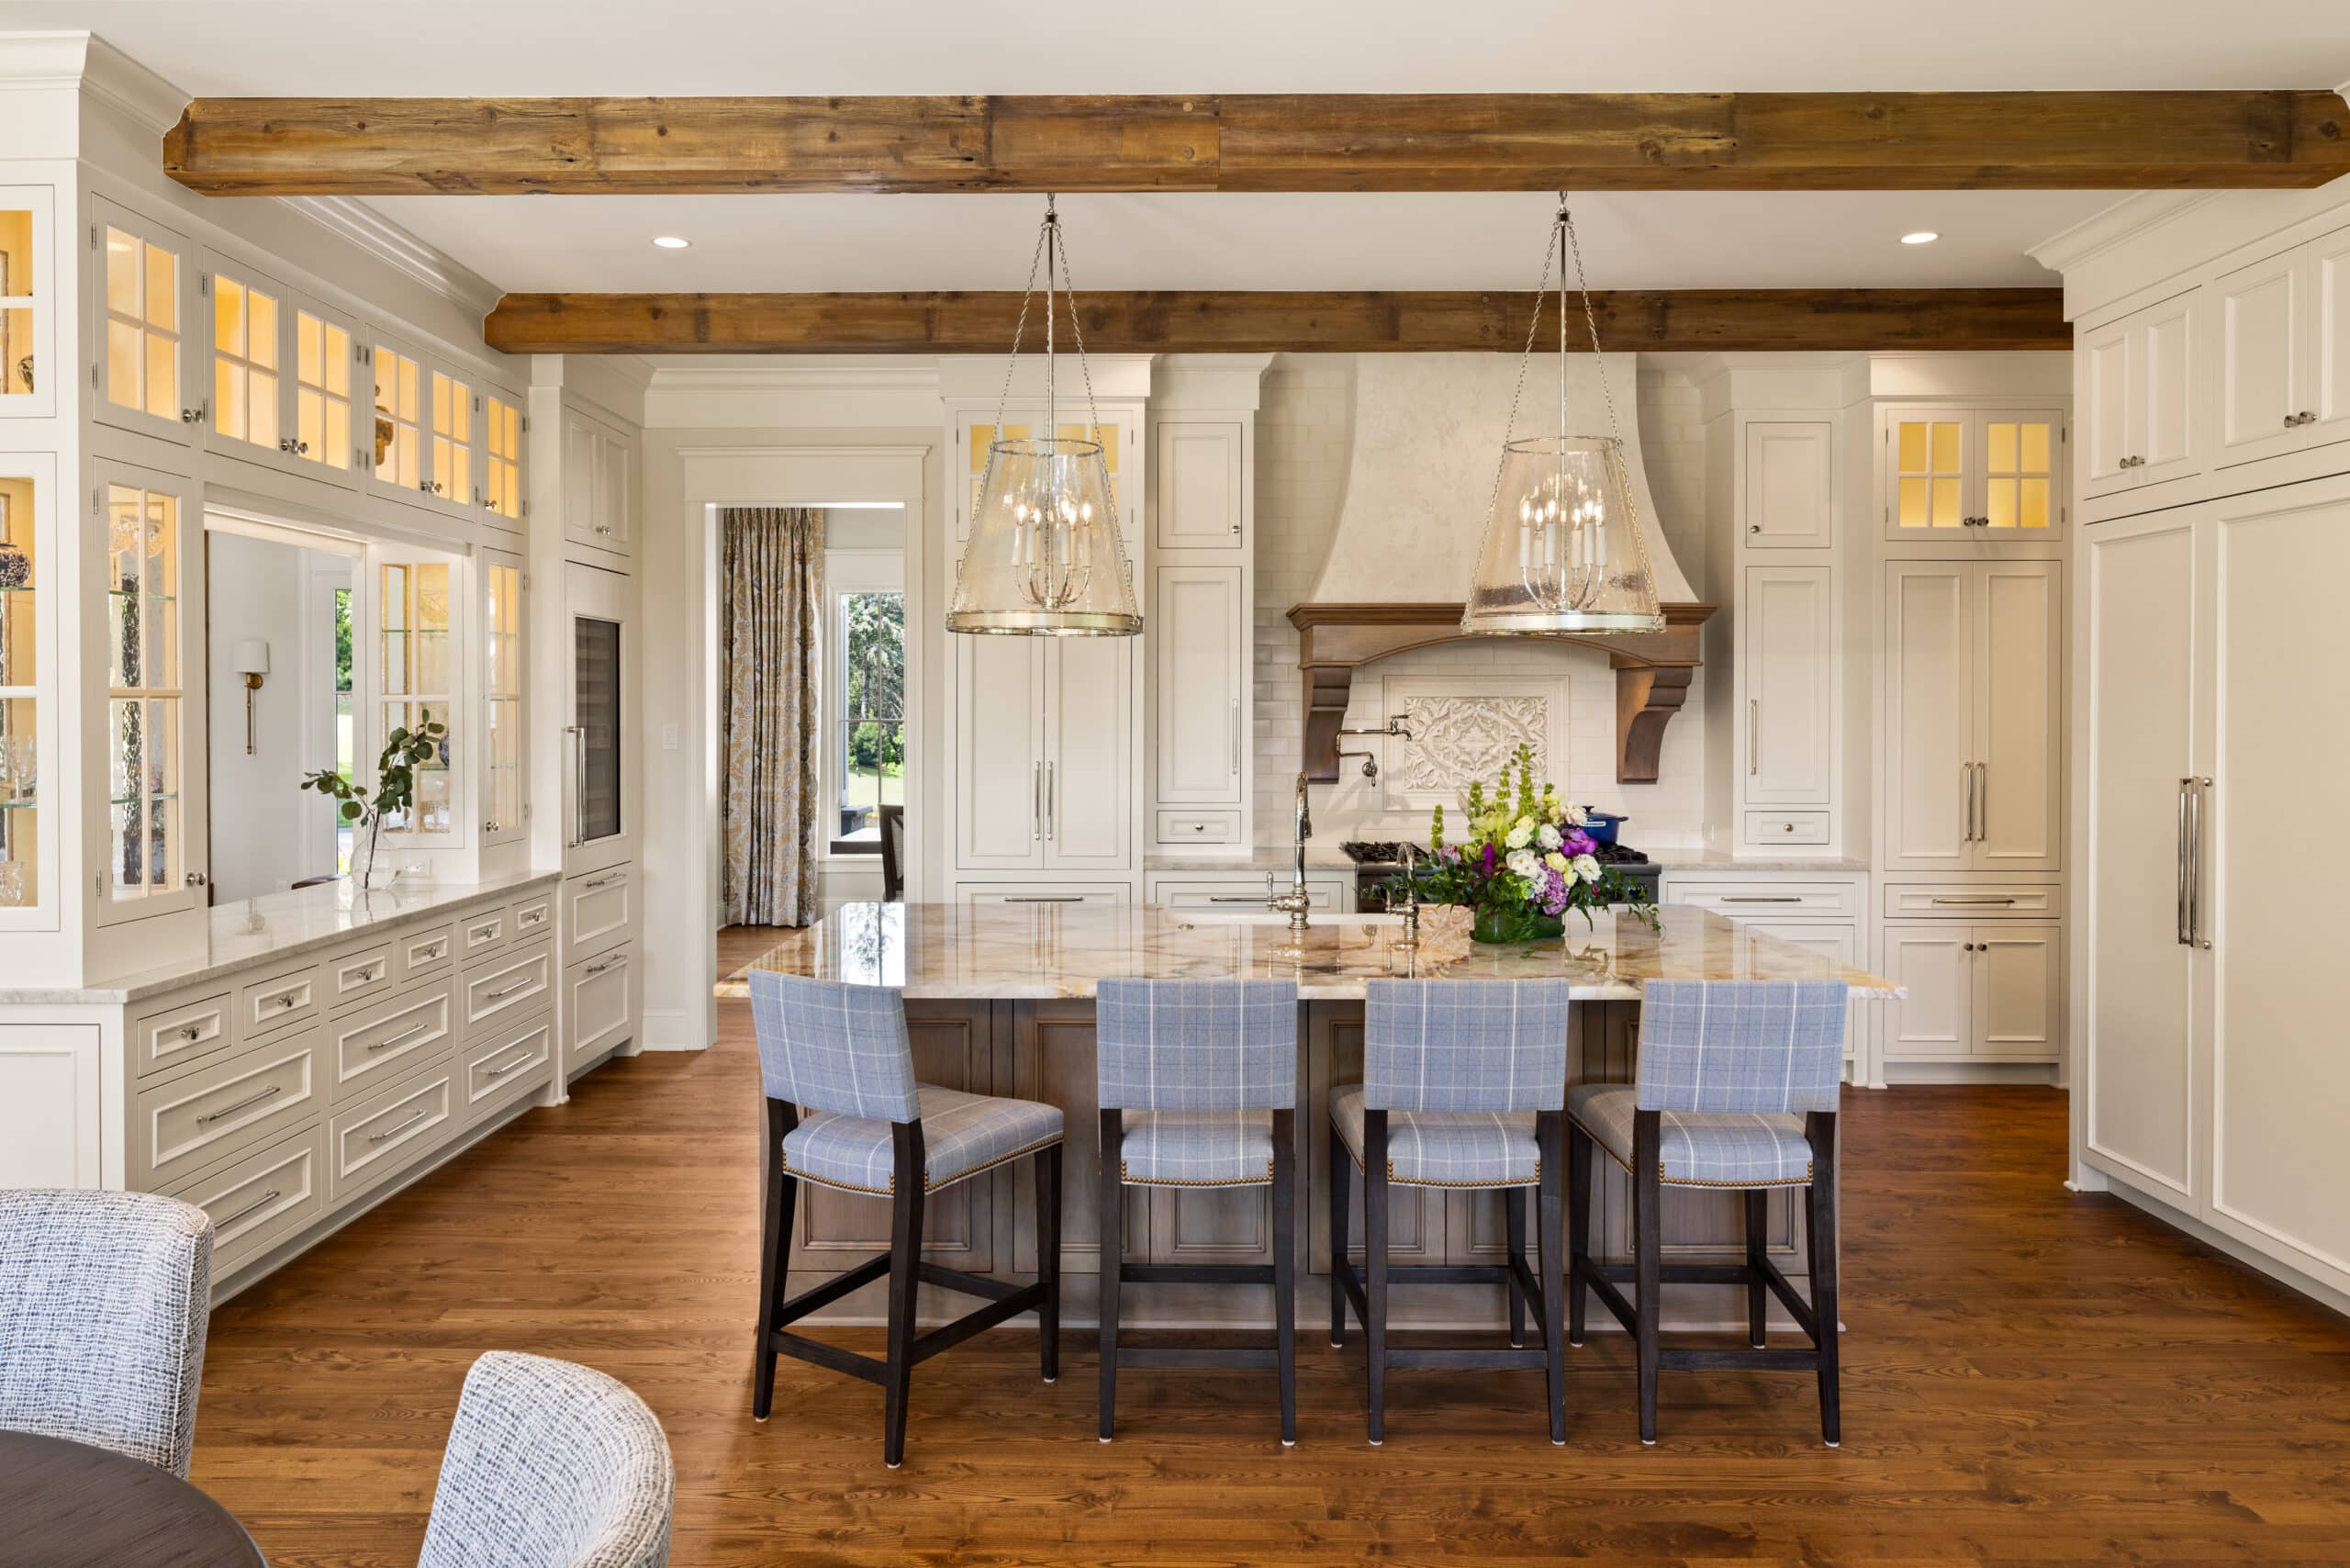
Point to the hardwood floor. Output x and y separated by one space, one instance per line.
2029 1377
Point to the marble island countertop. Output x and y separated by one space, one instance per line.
1327 857
1042 951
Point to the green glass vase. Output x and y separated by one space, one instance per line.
1514 923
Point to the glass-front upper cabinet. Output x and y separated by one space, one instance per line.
155 761
28 836
501 459
281 372
505 634
326 365
1973 473
396 452
144 298
416 670
425 438
27 349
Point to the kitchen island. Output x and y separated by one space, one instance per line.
999 1001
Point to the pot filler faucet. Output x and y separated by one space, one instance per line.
1297 900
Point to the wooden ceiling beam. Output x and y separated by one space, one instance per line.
1409 142
1207 321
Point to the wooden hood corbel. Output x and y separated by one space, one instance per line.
1653 671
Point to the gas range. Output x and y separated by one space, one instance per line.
1380 862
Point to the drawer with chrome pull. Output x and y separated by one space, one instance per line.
426 950
533 916
507 985
391 1128
1198 827
1973 900
374 1045
352 978
508 1062
601 994
182 1033
598 910
482 930
220 1107
1765 829
264 1005
1770 900
258 1198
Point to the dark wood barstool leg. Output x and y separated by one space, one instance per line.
1374 1240
1514 1209
1578 1226
1554 1274
1757 1216
1341 1179
1647 1238
1113 1201
1821 1227
1048 1260
778 1194
1285 1266
905 1267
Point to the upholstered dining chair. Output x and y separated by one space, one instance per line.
1198 1087
1462 1088
104 1299
842 1052
1736 1087
550 1465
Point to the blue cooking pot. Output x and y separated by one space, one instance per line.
1602 825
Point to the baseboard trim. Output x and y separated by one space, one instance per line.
1899 1073
2285 1274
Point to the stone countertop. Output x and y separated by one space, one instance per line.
259 932
1326 858
1041 951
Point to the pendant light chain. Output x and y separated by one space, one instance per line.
1012 361
1590 320
1077 328
1541 286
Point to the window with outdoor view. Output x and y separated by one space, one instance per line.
418 677
869 687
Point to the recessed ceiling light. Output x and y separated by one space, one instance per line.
1922 236
670 241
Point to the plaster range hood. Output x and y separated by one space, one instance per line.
1427 434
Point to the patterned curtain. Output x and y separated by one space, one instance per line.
771 590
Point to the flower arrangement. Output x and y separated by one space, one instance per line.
1527 862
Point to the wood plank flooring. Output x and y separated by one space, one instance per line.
2029 1377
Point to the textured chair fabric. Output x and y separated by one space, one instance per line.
550 1465
962 1135
1444 1046
1764 1046
104 1299
1197 1148
1196 1045
832 1047
1446 1149
1699 1148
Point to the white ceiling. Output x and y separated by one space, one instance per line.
532 48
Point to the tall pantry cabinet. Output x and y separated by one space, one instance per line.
2209 997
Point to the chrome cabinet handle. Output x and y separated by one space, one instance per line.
2186 938
246 1104
247 1211
2001 902
1037 804
191 1031
2195 865
604 881
1052 805
1759 898
361 975
1966 798
613 963
401 1126
1236 718
431 952
518 1061
578 783
1753 735
1044 898
524 984
1235 897
1982 802
385 1044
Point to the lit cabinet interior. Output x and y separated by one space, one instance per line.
397 458
415 669
22 288
322 390
1960 473
143 289
154 697
978 438
20 631
245 361
453 452
504 629
501 457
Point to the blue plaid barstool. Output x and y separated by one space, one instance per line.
1463 1086
1199 1089
842 1052
1737 1086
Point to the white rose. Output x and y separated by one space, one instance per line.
1577 816
1547 837
1526 864
1520 831
1586 867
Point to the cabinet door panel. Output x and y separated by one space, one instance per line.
1841 944
1930 963
2018 1004
2020 484
1000 753
1927 471
1789 486
2142 601
1927 691
148 351
2164 370
1089 752
1200 628
2111 386
2259 330
2018 640
1790 626
1198 481
2327 393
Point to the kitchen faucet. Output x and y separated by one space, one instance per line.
1297 900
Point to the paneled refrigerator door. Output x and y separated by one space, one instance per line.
599 792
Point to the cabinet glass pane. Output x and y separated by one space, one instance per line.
321 390
399 437
1927 455
502 681
452 438
244 361
413 614
981 437
596 684
144 707
19 705
143 324
17 299
502 471
2017 473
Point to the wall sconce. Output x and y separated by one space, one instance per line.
250 659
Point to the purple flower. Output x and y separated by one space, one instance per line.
1554 891
1488 860
1577 842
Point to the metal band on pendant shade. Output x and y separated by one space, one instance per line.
1046 555
1563 549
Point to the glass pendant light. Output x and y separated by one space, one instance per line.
1046 556
1563 550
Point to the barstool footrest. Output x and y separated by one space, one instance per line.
1024 1298
1195 1273
1220 1357
939 1274
1494 1358
829 1357
1746 1360
1603 1278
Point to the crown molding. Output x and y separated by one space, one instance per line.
357 224
2108 228
121 82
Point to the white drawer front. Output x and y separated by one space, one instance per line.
533 916
224 1106
272 1004
1238 898
425 952
509 987
597 910
389 1130
352 978
1198 827
1770 901
509 1062
258 1197
1766 828
1980 902
378 1044
1044 895
601 994
482 931
185 1032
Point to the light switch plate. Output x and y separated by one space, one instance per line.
668 737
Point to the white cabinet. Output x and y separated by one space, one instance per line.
1975 474
2138 398
2282 334
1043 753
1790 491
1972 772
1090 786
600 1005
1200 477
1820 913
1787 632
146 368
1199 628
422 445
1992 992
598 484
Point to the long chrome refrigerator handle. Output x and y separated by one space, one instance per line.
1052 806
1036 803
1753 735
1982 802
1966 800
2195 867
2186 938
578 783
